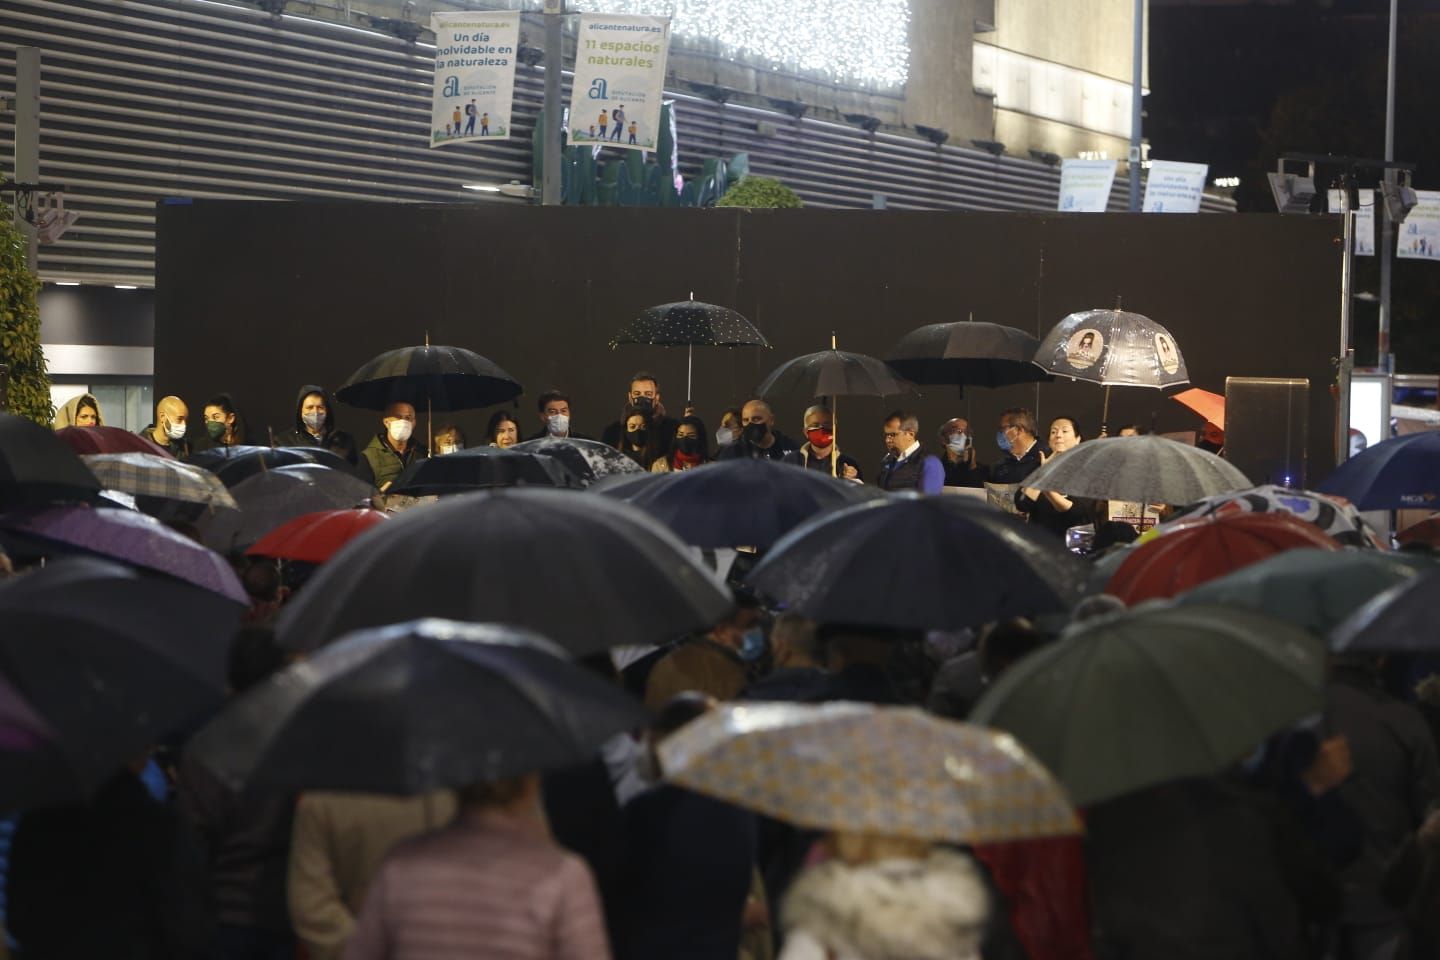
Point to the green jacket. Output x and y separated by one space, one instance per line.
385 463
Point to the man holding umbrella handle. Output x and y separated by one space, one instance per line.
820 452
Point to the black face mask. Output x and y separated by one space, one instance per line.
637 438
643 403
1210 447
688 445
755 432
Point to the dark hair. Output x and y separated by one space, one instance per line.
1141 431
549 397
645 375
455 429
1005 644
908 421
651 451
1074 424
261 579
254 655
1022 418
494 425
699 426
736 412
227 403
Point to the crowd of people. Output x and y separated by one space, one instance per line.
1322 845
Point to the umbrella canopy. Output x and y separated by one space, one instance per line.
123 535
33 769
442 704
315 537
91 440
157 482
922 563
234 464
1113 348
966 354
478 468
1209 405
440 378
1400 620
1396 474
833 373
590 460
112 659
36 467
1144 469
896 771
587 572
1190 554
747 502
274 497
1314 589
690 323
1157 694
1332 515
1426 531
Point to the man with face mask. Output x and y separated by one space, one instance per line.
758 436
1020 450
718 663
819 452
957 455
644 395
315 424
168 430
1212 439
394 448
554 409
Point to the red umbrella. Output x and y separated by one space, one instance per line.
315 537
90 440
1192 553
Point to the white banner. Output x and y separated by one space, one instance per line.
1364 219
619 80
1174 187
1420 231
474 76
1085 185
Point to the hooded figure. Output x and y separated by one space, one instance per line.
69 414
324 432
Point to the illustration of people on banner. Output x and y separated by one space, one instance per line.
474 76
619 80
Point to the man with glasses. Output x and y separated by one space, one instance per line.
1021 452
906 465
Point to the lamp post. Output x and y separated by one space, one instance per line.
1384 360
1137 104
554 64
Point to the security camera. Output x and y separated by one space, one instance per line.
51 219
1399 201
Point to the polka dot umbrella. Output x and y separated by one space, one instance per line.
691 324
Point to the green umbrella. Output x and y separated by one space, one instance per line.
1155 694
1314 589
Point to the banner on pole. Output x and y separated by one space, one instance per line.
1420 231
1364 219
1174 187
1085 185
619 80
474 76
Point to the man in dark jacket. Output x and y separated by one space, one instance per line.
168 430
394 448
907 465
1019 445
818 452
644 395
759 438
315 424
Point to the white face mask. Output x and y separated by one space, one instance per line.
724 437
558 425
175 431
400 430
958 443
444 448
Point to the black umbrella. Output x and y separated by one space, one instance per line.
589 460
588 572
968 353
691 324
111 658
33 768
277 496
1399 620
233 464
482 467
441 704
747 502
439 378
37 467
923 563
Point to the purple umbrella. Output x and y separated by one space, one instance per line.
130 537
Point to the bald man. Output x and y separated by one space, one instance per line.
758 436
395 447
168 431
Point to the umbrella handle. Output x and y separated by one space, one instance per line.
690 371
1105 415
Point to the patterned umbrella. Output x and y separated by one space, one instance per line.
590 460
966 353
438 378
860 768
1331 514
691 324
1113 348
155 481
87 440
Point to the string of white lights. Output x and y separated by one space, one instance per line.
863 41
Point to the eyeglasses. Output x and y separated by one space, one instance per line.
892 435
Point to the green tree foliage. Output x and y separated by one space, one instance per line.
29 392
760 192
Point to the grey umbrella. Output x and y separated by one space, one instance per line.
1144 469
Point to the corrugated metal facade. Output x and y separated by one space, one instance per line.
193 98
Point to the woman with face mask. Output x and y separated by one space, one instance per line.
449 439
731 425
640 440
689 450
1050 510
957 456
224 426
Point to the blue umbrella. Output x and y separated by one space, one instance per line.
1400 620
1395 474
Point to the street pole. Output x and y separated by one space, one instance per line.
554 64
27 140
1346 363
1137 104
1384 360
